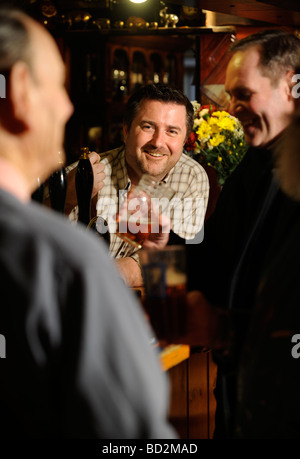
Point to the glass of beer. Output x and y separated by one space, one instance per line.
164 274
139 213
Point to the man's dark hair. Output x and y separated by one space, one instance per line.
279 51
162 93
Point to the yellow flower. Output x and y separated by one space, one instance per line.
219 114
204 130
216 140
223 120
228 124
215 129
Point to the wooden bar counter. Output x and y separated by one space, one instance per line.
193 375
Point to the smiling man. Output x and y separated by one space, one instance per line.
260 94
155 138
157 121
253 217
259 81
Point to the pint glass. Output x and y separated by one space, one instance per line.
164 274
139 213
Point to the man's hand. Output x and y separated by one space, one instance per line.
206 324
98 171
159 240
130 271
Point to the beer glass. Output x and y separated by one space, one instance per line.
139 213
99 226
164 275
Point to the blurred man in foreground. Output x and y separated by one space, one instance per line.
79 363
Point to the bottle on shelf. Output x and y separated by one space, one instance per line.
84 181
120 75
138 70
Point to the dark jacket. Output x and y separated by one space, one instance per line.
251 221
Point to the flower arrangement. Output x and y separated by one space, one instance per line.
217 140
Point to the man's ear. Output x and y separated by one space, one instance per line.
20 94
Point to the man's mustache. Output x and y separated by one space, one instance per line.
152 149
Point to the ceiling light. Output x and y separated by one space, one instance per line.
138 1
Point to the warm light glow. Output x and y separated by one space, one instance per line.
138 1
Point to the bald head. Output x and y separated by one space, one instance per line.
32 119
22 39
14 39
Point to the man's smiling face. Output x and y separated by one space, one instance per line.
155 140
263 108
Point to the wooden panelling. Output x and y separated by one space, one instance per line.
193 403
260 11
202 403
178 413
